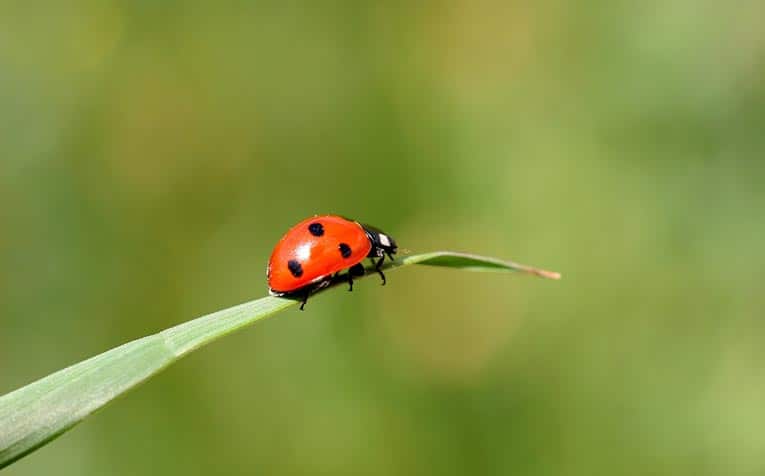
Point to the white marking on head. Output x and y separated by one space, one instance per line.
384 239
303 252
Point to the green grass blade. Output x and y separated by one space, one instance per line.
35 414
473 262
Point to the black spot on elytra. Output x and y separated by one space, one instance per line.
345 250
295 268
316 229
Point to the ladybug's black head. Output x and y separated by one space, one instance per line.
382 244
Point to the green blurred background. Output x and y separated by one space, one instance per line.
151 154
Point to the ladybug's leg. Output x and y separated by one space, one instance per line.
355 270
379 271
305 298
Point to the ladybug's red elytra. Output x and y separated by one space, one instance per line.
314 252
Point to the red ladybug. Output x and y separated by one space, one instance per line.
313 252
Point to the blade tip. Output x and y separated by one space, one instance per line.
548 274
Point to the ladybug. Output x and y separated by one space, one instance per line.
311 255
